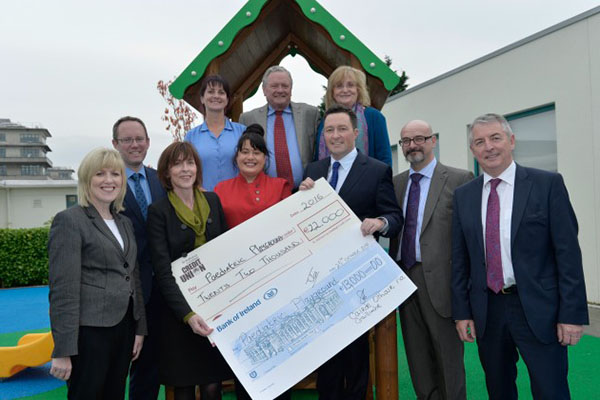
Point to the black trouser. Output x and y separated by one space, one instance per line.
100 369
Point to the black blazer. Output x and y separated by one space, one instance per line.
132 211
368 190
170 239
545 254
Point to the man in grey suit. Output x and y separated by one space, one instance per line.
290 127
423 250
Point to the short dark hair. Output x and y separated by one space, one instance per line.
174 152
214 80
254 134
339 109
125 119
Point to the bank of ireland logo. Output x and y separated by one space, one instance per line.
269 294
253 374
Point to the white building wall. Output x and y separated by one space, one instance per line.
31 207
561 67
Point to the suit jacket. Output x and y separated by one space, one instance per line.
91 277
132 211
545 254
306 118
436 228
368 190
170 239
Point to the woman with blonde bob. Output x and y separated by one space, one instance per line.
347 86
96 305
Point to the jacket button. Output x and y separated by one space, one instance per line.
126 265
183 226
184 255
209 221
127 278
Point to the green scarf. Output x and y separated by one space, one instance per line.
196 218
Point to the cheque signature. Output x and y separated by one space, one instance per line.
311 279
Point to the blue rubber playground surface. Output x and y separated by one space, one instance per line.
24 311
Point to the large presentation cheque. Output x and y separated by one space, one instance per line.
288 289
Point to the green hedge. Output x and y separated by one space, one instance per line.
23 257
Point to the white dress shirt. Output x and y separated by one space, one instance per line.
506 190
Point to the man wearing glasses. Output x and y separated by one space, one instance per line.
424 250
130 139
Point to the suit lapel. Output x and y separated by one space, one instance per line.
473 202
156 189
521 194
298 122
99 223
124 234
354 175
400 184
438 180
132 205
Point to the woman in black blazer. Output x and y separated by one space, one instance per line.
177 224
96 304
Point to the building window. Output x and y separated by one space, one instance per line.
30 153
71 200
30 138
31 170
535 137
2 153
2 170
2 137
37 203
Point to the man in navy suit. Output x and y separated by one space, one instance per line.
130 138
365 184
517 274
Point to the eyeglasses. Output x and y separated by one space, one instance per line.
417 139
130 140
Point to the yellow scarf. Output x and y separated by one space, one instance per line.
196 218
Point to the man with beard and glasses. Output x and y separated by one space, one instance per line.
424 250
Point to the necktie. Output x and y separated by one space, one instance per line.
282 155
139 194
334 174
408 249
493 257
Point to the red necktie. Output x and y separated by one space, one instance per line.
282 155
493 255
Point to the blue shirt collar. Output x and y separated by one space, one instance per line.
427 171
129 172
228 126
271 110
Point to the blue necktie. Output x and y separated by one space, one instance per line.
408 250
139 194
334 174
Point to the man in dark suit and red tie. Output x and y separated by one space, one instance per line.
130 139
365 184
517 274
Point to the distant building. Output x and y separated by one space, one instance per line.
23 154
31 190
32 203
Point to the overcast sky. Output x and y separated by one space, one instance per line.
74 67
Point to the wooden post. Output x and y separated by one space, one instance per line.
386 359
237 107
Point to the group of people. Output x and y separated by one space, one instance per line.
466 243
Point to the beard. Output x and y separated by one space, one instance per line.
415 156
